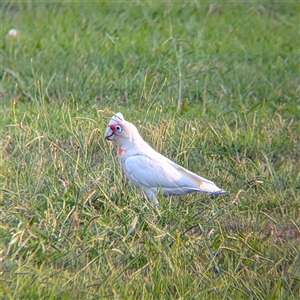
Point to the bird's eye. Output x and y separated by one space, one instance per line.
118 129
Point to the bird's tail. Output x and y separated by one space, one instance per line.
203 184
209 187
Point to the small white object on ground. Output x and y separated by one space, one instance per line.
12 33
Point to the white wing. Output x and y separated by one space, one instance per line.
159 172
150 173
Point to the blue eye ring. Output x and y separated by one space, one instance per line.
118 129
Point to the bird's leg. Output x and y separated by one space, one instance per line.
155 202
151 197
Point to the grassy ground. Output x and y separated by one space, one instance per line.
213 86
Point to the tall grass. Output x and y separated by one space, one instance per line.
213 86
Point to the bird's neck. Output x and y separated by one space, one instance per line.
121 150
134 145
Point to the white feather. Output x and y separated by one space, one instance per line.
148 169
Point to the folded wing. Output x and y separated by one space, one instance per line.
159 172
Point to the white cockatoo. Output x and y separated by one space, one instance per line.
150 170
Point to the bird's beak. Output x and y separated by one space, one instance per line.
109 134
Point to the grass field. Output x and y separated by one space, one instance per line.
213 86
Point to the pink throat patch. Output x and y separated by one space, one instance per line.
120 151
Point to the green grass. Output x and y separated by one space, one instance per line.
215 87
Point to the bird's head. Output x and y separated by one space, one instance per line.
121 131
